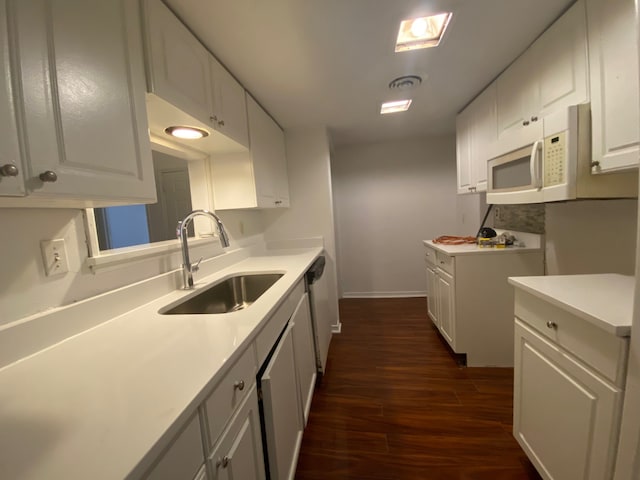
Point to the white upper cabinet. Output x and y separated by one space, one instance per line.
257 179
613 63
560 56
475 137
177 63
463 151
183 73
11 180
229 104
550 75
81 103
517 105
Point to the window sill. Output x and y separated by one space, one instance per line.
115 257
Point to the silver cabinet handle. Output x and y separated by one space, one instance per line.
525 123
224 461
9 170
534 118
239 385
213 118
595 163
49 176
552 325
221 123
278 202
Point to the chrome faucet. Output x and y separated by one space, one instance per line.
183 233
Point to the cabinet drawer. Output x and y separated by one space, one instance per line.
430 256
267 337
445 262
604 352
184 457
228 394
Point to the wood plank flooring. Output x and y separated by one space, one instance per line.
395 405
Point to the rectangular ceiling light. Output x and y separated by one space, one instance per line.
422 32
393 107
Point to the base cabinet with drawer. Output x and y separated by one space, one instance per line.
568 391
471 303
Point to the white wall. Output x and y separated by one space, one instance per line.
591 236
389 197
311 211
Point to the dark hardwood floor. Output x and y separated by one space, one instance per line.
396 405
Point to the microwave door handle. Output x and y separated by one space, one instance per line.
535 163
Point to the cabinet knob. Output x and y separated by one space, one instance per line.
213 118
239 385
525 123
221 123
595 163
278 202
552 325
9 170
224 461
534 118
48 176
441 262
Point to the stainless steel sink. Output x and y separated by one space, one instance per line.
230 295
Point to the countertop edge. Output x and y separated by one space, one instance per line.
617 330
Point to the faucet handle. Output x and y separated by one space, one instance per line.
196 267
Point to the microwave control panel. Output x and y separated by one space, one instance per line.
555 154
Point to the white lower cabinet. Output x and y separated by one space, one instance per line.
471 303
238 454
305 355
224 440
565 416
569 380
184 458
281 408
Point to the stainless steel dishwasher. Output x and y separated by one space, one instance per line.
320 311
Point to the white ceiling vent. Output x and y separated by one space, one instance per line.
405 82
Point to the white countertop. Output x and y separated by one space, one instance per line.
96 404
472 249
605 300
532 241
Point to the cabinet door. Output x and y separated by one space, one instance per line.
565 417
432 296
83 101
483 135
238 455
446 310
178 64
517 100
305 354
560 57
279 162
229 104
260 131
463 151
613 64
11 179
184 457
282 418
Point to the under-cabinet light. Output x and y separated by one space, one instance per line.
422 32
188 133
396 106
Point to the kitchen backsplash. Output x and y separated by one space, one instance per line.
523 218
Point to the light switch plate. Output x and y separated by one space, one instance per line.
54 256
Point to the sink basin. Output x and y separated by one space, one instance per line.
230 295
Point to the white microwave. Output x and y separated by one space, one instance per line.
556 167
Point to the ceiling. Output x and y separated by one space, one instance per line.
329 62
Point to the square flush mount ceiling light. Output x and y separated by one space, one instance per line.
422 32
393 107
